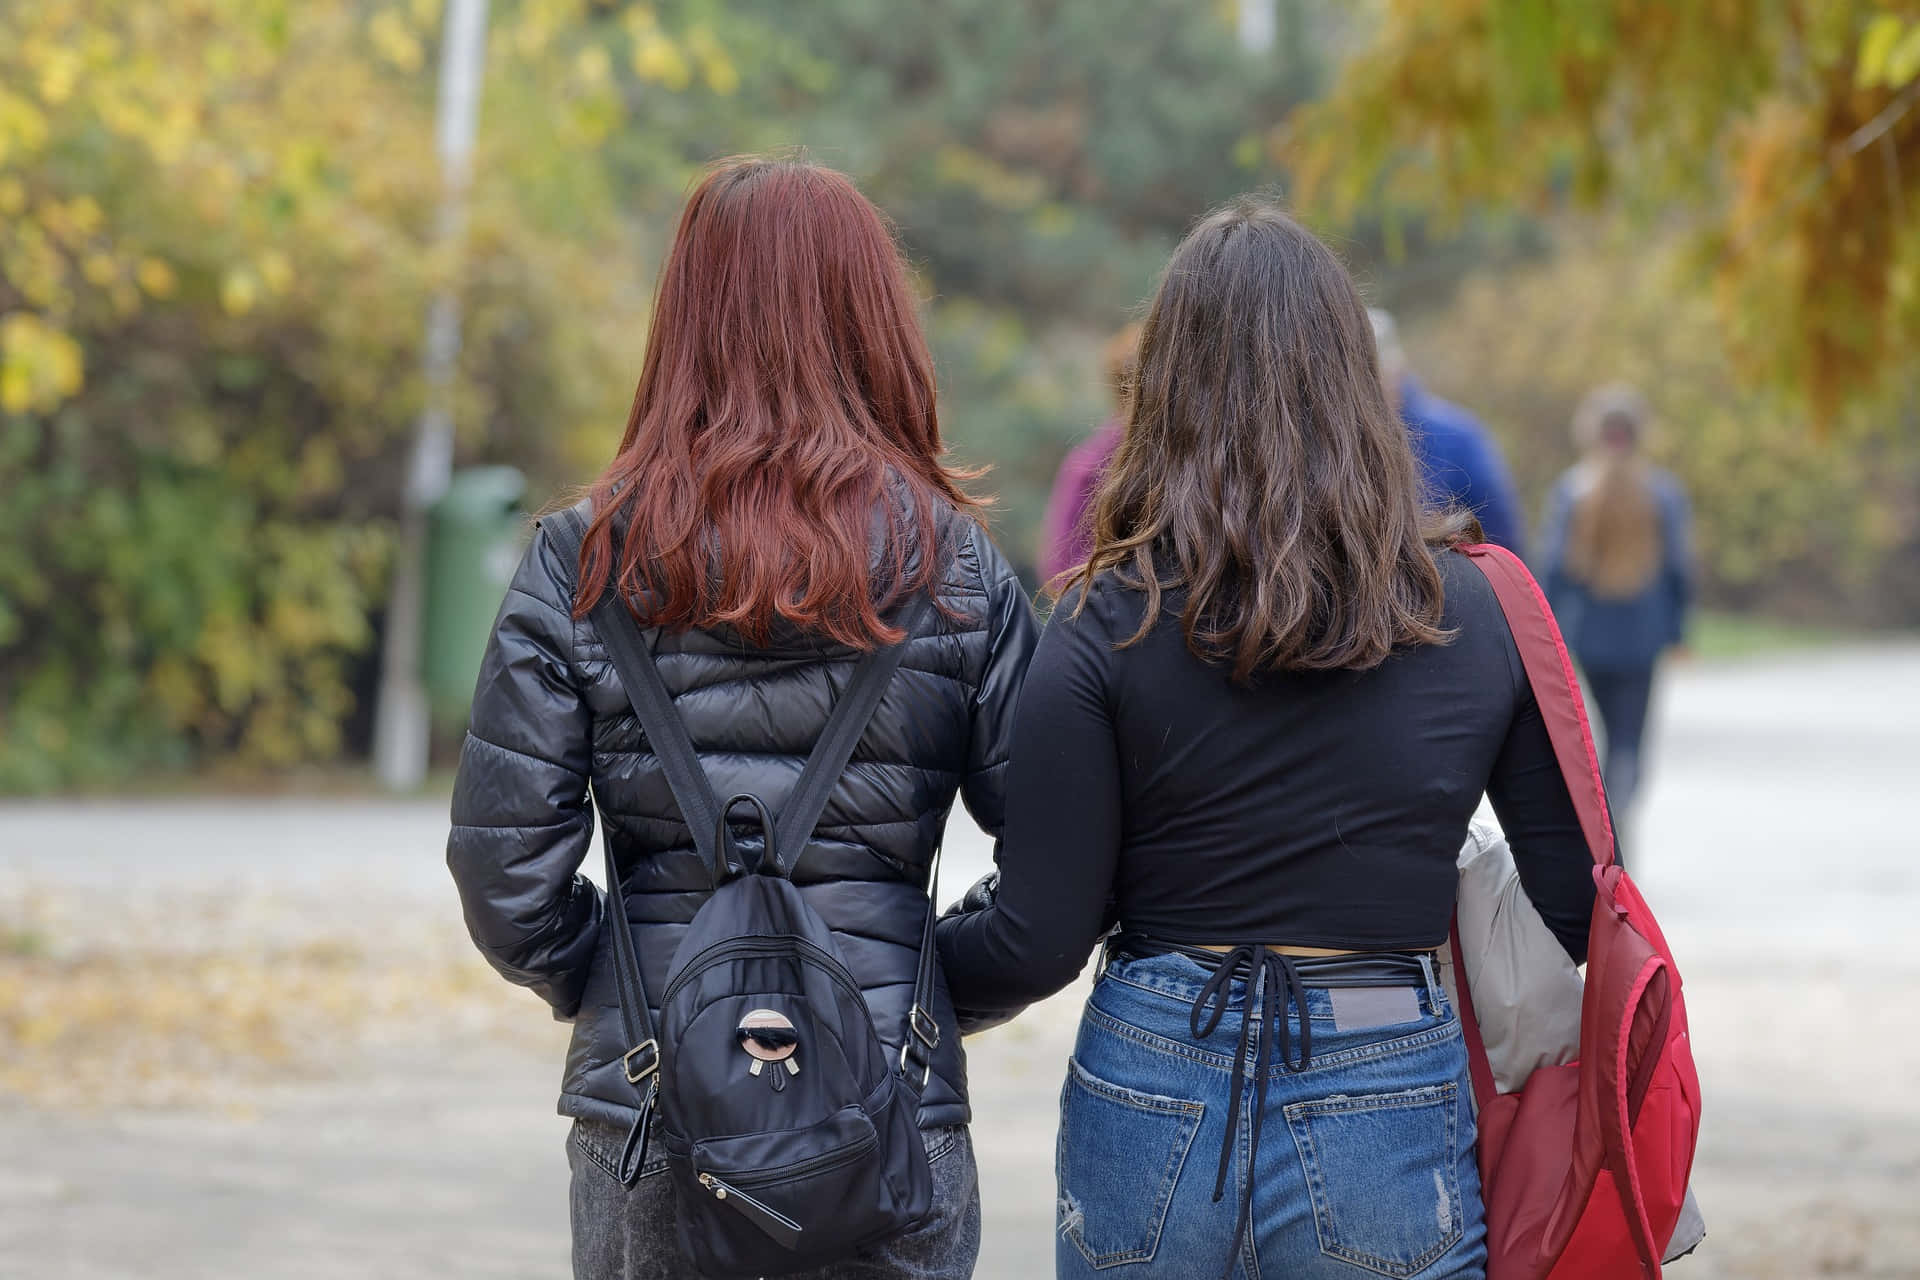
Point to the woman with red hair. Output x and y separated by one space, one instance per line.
778 500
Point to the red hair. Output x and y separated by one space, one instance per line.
787 393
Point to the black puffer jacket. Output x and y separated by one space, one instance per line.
550 717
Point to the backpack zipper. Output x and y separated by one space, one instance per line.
804 1168
769 1219
834 970
765 1216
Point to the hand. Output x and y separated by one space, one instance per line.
980 896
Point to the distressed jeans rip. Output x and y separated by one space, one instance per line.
1374 1133
1067 1211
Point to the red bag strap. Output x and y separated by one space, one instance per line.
1550 671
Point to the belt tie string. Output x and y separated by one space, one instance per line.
1278 980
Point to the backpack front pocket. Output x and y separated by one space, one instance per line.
1383 1171
787 1183
1119 1160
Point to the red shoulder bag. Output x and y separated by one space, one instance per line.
1585 1168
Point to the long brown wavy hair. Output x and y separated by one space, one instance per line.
786 400
1262 473
1615 541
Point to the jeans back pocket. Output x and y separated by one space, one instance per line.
600 1143
1118 1161
1383 1171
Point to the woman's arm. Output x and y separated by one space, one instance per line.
1549 850
1062 837
1011 636
521 819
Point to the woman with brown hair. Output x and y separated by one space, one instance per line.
1254 734
777 502
1618 571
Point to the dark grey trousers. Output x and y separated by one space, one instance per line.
621 1234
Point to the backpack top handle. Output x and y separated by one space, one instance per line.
729 864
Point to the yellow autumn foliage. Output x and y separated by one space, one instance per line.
216 254
40 366
1786 131
1784 522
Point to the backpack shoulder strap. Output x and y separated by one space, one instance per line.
1550 672
852 713
1549 668
851 716
632 658
628 650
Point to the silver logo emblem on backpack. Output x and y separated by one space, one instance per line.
769 1036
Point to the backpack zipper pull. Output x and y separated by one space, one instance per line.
770 1220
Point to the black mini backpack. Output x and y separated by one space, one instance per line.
792 1137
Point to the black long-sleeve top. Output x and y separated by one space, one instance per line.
1317 809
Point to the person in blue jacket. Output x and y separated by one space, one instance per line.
1617 568
1461 463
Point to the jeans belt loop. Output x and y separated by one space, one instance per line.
1436 997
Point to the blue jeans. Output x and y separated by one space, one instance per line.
1365 1166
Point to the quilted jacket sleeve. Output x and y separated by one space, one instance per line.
521 818
1011 635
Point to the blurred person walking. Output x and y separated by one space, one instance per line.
1067 532
1459 458
777 504
1254 733
1617 566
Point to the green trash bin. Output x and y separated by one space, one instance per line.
475 535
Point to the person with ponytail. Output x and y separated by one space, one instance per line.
1617 570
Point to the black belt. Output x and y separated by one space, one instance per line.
1356 969
1286 977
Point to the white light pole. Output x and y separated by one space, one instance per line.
1258 25
401 723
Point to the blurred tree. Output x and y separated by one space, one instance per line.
212 277
1041 160
1783 523
1793 124
214 264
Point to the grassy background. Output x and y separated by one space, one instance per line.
1714 636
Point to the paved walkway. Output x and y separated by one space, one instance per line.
418 1140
